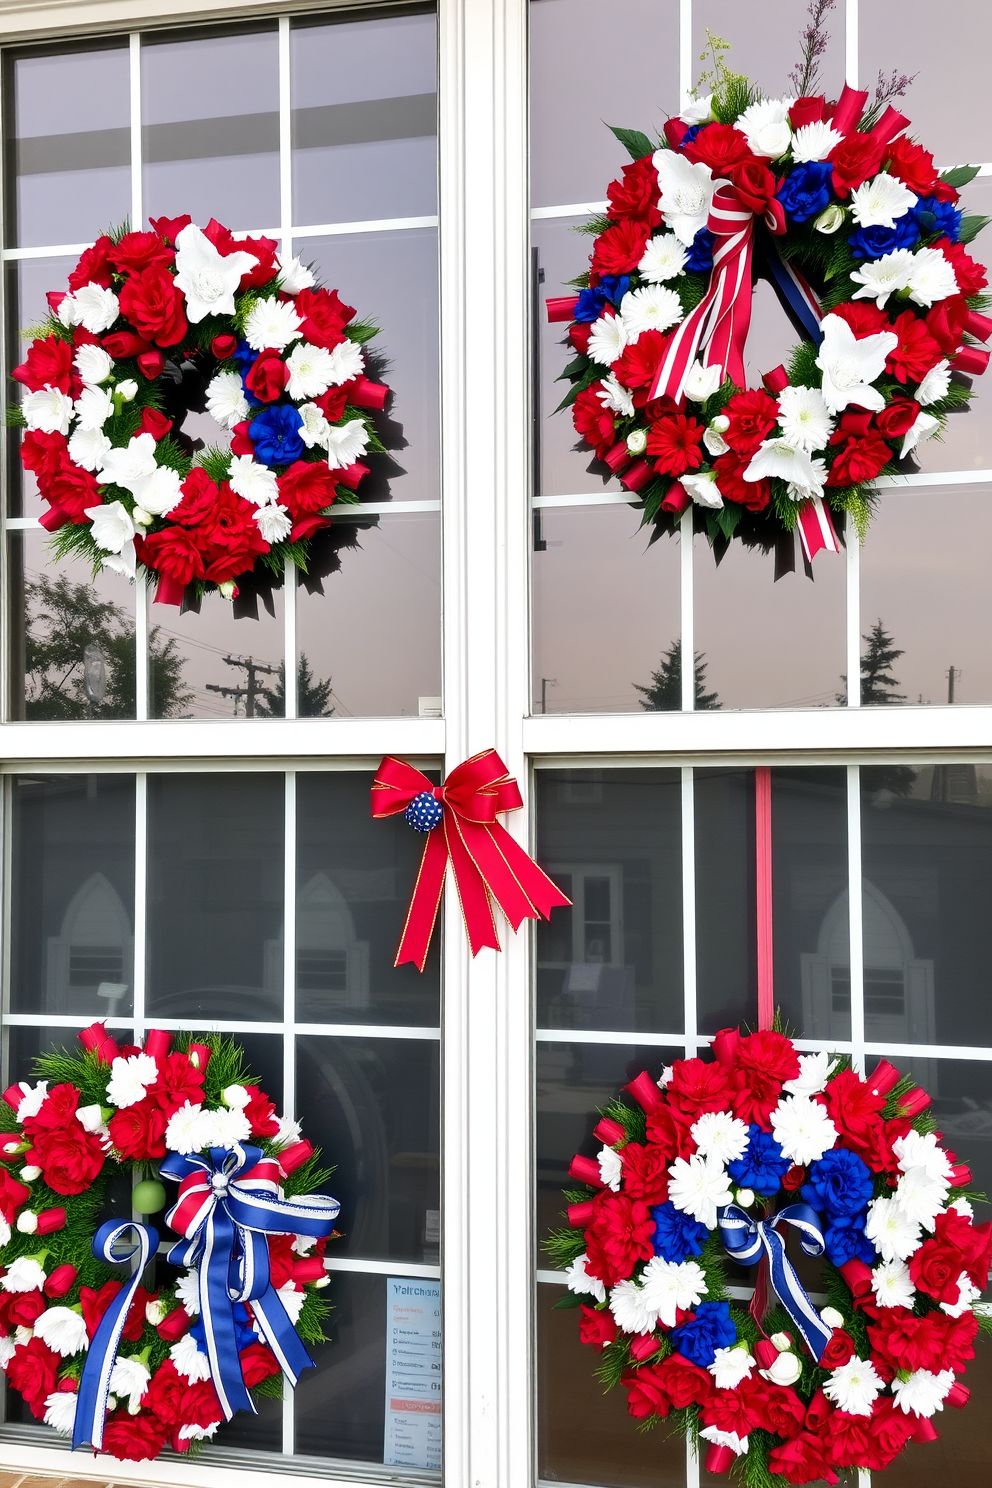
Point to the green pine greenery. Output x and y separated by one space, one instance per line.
664 694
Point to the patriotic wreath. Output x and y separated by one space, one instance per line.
158 323
719 1161
163 1357
863 242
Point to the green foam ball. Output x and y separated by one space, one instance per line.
148 1196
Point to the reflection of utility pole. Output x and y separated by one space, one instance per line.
249 692
546 682
950 683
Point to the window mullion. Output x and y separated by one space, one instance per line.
687 645
140 902
289 1032
855 916
689 910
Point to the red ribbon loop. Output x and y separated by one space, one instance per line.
486 861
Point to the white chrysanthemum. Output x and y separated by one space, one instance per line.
290 1131
922 428
923 1150
730 1366
686 193
186 1131
934 386
24 1274
94 407
67 314
198 1433
189 1362
32 1099
48 410
698 110
295 276
923 1393
814 141
665 1077
967 1294
765 125
931 278
4 1232
93 364
225 1128
7 1347
893 1285
310 370
60 1411
578 1280
88 448
304 1244
921 1196
701 382
208 278
111 525
802 1129
737 1444
894 1235
130 1077
850 364
96 308
345 443
610 1168
63 1330
670 1286
653 308
314 427
188 1292
271 325
854 1386
347 361
256 483
664 258
962 1207
607 339
127 465
292 1300
814 1072
804 419
274 523
631 1308
882 277
703 489
720 1136
777 457
615 396
699 1187
91 1119
879 202
226 401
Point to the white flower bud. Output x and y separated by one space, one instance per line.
745 1197
721 423
782 1342
830 219
831 1317
29 1174
785 1371
111 1402
236 1096
90 1118
228 589
127 389
27 1222
637 441
140 517
322 1281
154 1312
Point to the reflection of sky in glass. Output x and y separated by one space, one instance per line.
203 640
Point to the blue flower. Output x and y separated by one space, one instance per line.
700 259
762 1166
839 1184
615 286
712 1328
806 191
276 435
875 242
244 1333
589 306
677 1236
845 1240
689 135
938 217
243 357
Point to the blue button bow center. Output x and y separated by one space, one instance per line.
424 813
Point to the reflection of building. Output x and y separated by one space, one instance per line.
332 964
94 951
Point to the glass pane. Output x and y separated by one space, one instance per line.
810 910
72 893
211 144
726 944
573 154
364 119
354 881
770 644
215 896
369 618
764 38
391 279
612 839
605 613
69 170
26 285
927 854
373 1106
71 637
223 661
909 650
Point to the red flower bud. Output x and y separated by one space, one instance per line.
126 344
646 1092
725 1043
60 1281
618 458
223 347
924 1431
175 1325
201 1053
858 1277
585 1170
610 1132
638 475
154 423
643 1346
958 1395
50 1220
308 1268
882 1078
765 1353
158 1042
294 1157
352 475
961 1176
241 441
367 394
561 309
914 1102
718 1459
150 364
13 1095
579 1215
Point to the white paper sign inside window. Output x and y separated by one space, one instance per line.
413 1373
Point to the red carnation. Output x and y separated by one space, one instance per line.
95 1303
753 494
891 1429
846 1439
200 496
263 250
324 315
636 196
720 146
94 266
33 1370
670 1133
897 418
173 552
645 1173
137 251
775 1407
45 454
306 487
863 318
132 1438
762 1061
154 306
619 1235
646 1394
258 1363
696 1086
200 1405
69 1160
959 1342
230 537
853 1106
12 1195
684 1383
268 377
729 1410
261 1113
673 444
164 1395
138 1132
597 1328
971 276
70 491
974 1242
859 460
917 351
752 418
906 1342
637 365
56 1112
857 157
48 363
593 421
912 165
801 1460
282 1258
620 248
768 1053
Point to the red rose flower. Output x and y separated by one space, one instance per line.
971 276
859 460
332 404
857 157
645 1173
935 1269
752 418
20 1310
261 1113
974 1242
720 146
173 552
897 418
12 1195
138 1132
917 351
169 228
264 252
154 423
69 1160
268 377
620 1233
840 1348
258 1363
620 248
164 1395
306 487
684 1383
636 366
45 454
646 1394
753 494
756 184
890 1430
809 110
673 444
912 165
324 315
137 251
801 1460
154 306
863 318
794 1178
636 196
95 1303
94 266
593 421
597 1329
946 323
775 1407
846 1439
696 1087
48 363
132 1438
125 344
56 1112
670 1133
33 1370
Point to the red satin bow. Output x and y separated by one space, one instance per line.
485 859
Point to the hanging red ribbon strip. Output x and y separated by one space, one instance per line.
486 861
763 897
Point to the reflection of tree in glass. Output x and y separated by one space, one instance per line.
62 620
665 693
877 682
313 696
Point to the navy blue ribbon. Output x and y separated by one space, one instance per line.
747 1240
794 290
94 1386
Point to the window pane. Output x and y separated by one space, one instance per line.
354 881
726 945
373 1107
25 286
612 839
911 552
72 880
364 119
68 183
764 39
605 613
215 896
927 854
210 127
222 661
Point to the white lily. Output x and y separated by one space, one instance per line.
850 365
207 278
